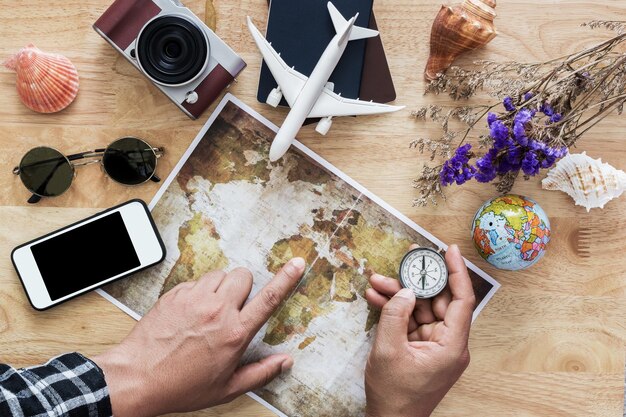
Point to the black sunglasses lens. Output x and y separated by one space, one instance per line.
129 161
46 172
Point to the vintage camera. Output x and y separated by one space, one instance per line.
173 48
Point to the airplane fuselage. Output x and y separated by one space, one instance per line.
310 93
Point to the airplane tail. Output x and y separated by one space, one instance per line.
340 23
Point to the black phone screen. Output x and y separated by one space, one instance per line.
85 256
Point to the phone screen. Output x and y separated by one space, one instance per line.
83 256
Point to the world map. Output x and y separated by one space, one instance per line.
228 206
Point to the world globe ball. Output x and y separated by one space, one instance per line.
511 232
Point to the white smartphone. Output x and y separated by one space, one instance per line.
88 254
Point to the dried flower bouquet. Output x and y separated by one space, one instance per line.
547 107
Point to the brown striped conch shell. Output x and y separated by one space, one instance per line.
46 83
588 181
459 29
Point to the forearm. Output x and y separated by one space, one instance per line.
69 384
126 385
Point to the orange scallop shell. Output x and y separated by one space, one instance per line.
46 83
459 29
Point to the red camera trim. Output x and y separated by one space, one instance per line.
122 21
208 90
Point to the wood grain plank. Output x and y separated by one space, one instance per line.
551 343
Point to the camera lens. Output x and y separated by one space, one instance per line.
172 50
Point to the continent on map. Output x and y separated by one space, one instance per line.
310 299
225 161
200 253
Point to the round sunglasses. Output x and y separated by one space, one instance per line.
46 172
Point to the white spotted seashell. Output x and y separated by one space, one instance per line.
46 83
588 181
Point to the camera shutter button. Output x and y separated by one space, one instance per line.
191 97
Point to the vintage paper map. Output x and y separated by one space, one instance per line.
226 205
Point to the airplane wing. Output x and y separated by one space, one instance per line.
289 80
330 104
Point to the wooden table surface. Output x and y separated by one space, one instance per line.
551 342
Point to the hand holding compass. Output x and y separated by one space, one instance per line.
420 348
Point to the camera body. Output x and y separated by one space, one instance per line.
171 46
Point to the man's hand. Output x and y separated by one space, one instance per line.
184 353
420 349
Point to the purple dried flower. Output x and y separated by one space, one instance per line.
524 116
547 162
519 131
508 104
556 117
503 166
547 109
561 152
463 151
536 145
512 150
499 133
530 164
486 161
502 144
456 169
486 169
514 155
446 176
466 174
486 176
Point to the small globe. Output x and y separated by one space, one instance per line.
511 232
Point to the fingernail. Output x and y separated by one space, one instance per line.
287 364
454 247
406 293
297 264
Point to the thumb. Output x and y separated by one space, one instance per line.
394 319
258 374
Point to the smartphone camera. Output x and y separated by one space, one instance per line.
173 48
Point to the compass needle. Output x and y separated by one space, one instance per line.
432 276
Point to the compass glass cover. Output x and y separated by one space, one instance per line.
424 271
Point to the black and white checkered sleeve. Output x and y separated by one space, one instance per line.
69 385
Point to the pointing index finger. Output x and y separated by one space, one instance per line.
262 306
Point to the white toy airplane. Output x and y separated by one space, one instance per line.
314 96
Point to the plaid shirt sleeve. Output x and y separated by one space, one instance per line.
69 385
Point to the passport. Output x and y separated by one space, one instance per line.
300 31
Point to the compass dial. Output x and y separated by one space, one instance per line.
424 271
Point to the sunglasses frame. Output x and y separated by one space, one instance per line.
97 153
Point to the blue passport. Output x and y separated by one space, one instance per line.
301 30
